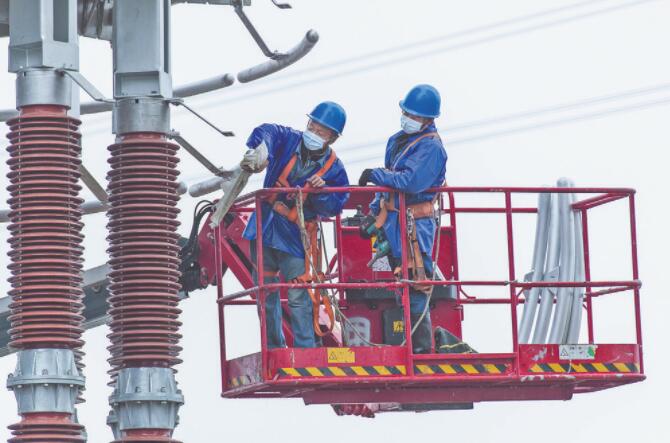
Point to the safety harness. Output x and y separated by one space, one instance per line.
414 212
311 244
282 182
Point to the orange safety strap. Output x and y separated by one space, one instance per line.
409 146
282 182
315 247
318 298
390 205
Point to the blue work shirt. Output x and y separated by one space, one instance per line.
423 166
283 142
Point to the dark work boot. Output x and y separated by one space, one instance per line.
422 339
448 343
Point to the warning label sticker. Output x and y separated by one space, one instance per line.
341 355
577 352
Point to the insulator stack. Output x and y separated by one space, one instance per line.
144 254
45 227
144 287
45 427
148 436
46 257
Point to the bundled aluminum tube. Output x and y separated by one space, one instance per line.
578 294
188 90
551 273
274 65
539 256
567 268
564 262
92 206
206 187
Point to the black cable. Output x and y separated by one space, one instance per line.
202 208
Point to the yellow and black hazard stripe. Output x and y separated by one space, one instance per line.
461 368
363 371
242 380
342 371
585 368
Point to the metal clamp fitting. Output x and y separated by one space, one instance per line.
145 398
46 380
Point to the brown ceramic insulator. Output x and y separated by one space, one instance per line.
144 254
46 427
147 436
45 229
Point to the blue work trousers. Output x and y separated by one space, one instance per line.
422 340
417 299
299 301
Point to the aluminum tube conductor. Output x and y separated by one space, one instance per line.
184 91
539 257
550 273
567 267
93 206
578 293
272 66
205 187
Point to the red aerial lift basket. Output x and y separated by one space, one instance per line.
392 375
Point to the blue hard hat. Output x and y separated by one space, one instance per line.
331 115
422 101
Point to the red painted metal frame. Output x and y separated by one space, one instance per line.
411 386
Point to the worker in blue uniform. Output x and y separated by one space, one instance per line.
296 158
415 161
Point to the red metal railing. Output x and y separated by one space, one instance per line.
252 202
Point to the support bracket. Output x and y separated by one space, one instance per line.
239 10
180 102
174 135
87 86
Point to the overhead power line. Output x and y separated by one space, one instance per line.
429 41
373 66
422 54
381 142
531 127
537 112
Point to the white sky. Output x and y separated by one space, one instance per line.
616 47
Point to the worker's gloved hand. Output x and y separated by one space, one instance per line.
255 160
366 177
316 181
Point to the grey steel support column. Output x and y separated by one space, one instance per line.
46 277
142 228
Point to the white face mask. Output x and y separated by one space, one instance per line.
312 141
410 126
